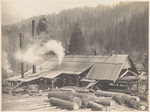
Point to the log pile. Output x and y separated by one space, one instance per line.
64 104
131 102
118 99
96 106
98 100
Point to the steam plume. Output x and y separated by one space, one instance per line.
5 63
35 51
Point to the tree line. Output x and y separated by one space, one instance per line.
122 28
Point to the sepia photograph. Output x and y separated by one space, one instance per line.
74 55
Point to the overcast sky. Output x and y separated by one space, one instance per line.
16 10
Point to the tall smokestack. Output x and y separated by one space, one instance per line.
33 24
22 64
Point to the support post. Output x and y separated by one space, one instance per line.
53 81
138 87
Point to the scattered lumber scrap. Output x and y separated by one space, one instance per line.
63 103
95 106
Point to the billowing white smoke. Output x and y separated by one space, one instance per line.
34 52
57 48
5 63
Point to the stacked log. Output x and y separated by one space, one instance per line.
105 102
111 94
141 96
103 93
128 78
118 99
121 90
63 103
83 97
73 100
131 102
95 106
64 95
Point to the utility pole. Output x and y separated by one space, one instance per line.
22 64
33 24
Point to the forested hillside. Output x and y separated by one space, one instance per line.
122 28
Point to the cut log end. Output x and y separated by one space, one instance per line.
75 106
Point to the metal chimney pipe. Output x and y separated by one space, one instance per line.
33 24
22 64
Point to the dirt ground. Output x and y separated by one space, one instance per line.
39 102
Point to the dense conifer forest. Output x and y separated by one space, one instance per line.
122 28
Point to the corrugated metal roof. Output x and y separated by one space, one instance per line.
51 74
91 58
104 71
26 79
105 67
52 70
67 68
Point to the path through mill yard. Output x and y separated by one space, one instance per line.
41 103
28 103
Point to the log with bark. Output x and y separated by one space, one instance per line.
68 96
101 100
111 94
128 78
83 97
121 90
63 103
131 102
96 106
118 99
143 97
105 102
104 93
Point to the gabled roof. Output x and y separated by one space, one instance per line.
102 67
111 68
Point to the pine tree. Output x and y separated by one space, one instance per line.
42 26
77 42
